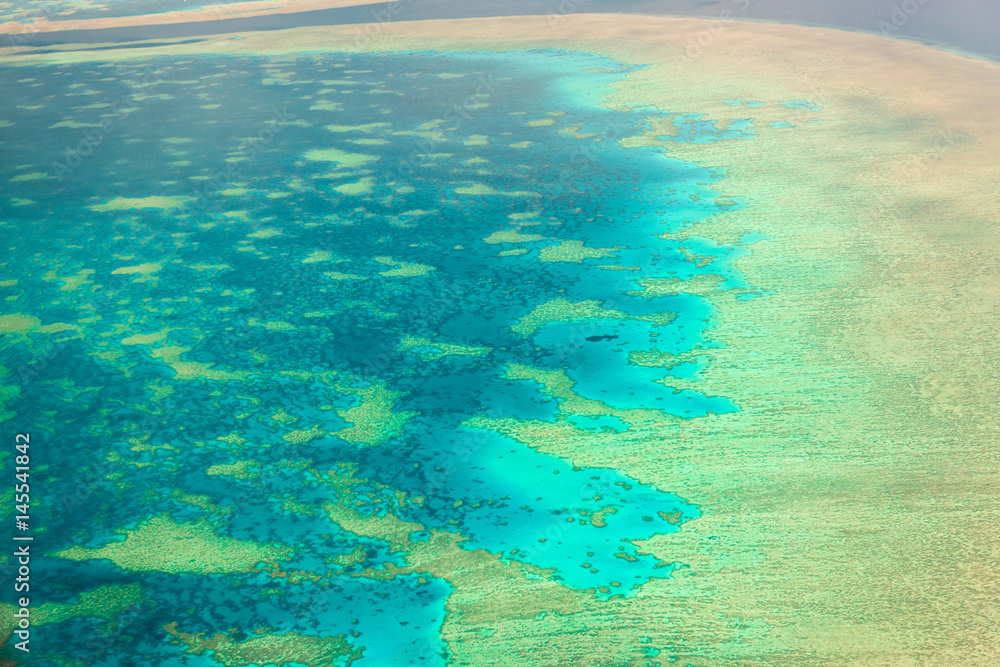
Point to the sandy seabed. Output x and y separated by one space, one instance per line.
850 507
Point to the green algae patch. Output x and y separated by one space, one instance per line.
282 416
704 284
557 384
161 545
106 602
342 158
337 275
574 131
358 555
374 420
129 203
665 360
18 322
408 271
73 125
434 350
148 339
369 142
408 216
265 648
191 370
244 470
512 236
384 527
618 267
144 269
476 189
274 325
356 128
33 176
317 256
243 216
403 269
198 500
72 282
8 393
532 432
266 233
234 439
563 310
304 435
571 251
362 187
326 105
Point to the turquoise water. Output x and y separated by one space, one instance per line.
601 370
698 129
341 284
802 104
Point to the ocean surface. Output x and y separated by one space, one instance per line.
277 324
969 26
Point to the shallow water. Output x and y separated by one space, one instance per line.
264 287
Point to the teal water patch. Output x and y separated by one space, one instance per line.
742 125
698 129
601 371
276 287
781 124
802 104
536 508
